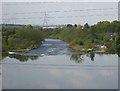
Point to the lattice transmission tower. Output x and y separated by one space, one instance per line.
45 21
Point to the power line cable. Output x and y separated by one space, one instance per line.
58 11
22 3
99 15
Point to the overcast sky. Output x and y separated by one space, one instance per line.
59 0
59 12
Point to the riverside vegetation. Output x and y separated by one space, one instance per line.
21 39
103 36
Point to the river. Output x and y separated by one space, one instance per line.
55 66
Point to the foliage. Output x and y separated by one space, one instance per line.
85 37
79 37
21 39
118 44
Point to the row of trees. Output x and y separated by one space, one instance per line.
88 36
21 39
79 37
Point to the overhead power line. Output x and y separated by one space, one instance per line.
22 18
57 11
23 3
99 15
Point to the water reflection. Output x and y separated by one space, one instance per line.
55 70
52 47
118 52
58 72
21 58
79 57
91 55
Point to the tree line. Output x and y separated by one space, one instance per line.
21 39
80 37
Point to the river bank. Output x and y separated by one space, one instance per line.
21 40
26 71
83 48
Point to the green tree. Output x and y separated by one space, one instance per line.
86 27
29 26
118 44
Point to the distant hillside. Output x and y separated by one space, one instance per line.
11 26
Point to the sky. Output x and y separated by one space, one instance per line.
59 0
57 12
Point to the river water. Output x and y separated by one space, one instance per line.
55 66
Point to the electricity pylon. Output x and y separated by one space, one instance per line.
45 22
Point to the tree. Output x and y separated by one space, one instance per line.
114 26
118 44
75 25
29 26
86 27
69 25
105 26
79 28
